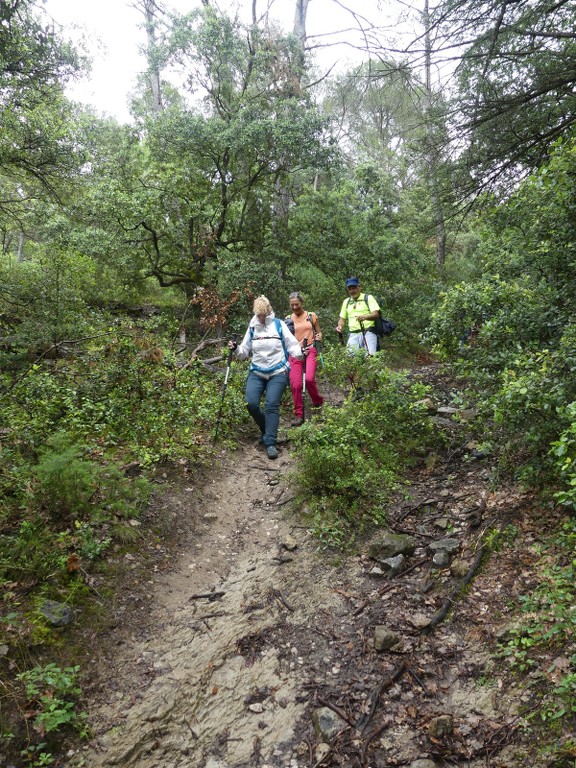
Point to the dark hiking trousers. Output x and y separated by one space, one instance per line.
269 418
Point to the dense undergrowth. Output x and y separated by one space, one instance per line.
80 439
349 463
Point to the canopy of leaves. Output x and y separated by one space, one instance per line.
34 66
516 81
522 312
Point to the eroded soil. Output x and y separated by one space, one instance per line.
241 631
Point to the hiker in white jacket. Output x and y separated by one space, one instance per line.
269 342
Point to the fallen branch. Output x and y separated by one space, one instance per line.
440 615
204 342
207 596
388 682
340 712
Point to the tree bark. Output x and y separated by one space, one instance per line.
300 21
151 50
431 149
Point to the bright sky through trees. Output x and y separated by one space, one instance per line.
113 34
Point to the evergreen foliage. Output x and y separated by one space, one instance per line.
252 180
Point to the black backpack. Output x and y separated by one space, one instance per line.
382 326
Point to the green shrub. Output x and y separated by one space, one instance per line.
50 693
66 482
349 463
548 628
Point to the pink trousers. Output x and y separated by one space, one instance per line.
296 371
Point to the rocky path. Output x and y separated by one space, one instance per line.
255 650
215 679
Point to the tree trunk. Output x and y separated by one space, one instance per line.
431 148
300 21
20 252
153 73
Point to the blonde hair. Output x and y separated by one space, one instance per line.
262 306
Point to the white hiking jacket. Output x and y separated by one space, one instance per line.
269 348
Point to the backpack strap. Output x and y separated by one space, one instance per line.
281 364
364 299
278 325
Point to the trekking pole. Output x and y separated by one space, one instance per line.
234 339
304 345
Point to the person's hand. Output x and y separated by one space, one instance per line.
306 350
318 336
232 344
338 329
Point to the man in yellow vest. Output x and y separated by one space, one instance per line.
359 310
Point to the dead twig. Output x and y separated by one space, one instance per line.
440 615
340 712
211 596
388 682
279 595
266 469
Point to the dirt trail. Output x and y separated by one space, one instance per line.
216 681
227 656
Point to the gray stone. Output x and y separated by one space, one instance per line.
290 543
387 544
445 545
440 422
423 764
447 410
419 620
321 751
441 559
393 565
327 723
57 614
440 727
384 638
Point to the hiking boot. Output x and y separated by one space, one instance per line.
297 422
272 452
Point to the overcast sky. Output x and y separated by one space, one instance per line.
111 29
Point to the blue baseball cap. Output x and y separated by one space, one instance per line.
352 281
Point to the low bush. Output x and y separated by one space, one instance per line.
349 462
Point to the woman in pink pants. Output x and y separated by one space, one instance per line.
306 328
